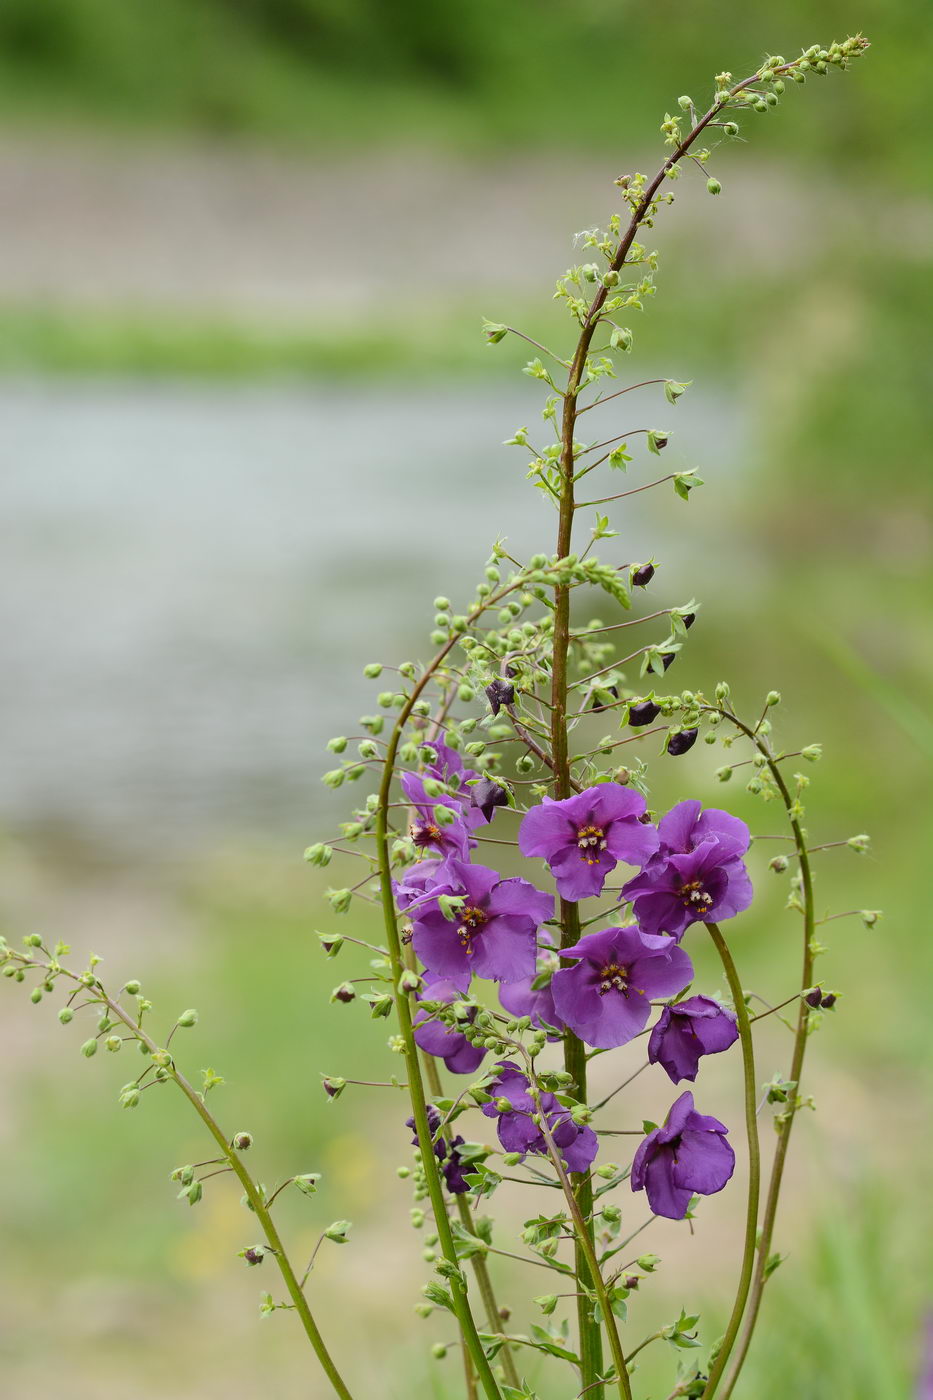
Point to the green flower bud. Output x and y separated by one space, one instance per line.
32 940
113 1044
731 128
714 186
65 1015
337 745
773 698
384 699
339 1231
610 278
339 900
35 996
778 864
648 1262
194 1192
188 1018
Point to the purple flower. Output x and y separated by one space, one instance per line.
606 998
493 933
436 1038
584 837
448 839
689 1154
419 882
520 999
697 874
684 1032
517 1132
446 1152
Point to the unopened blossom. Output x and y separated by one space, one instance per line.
697 874
486 795
583 838
688 1155
687 1030
517 1130
605 998
445 1042
447 1152
492 933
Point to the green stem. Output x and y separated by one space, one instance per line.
435 1187
590 1274
480 1269
796 1069
251 1190
754 1161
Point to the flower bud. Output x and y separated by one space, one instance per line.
188 1018
500 692
731 128
642 575
35 996
254 1254
339 1231
610 278
344 993
32 940
859 843
113 1044
681 742
333 1086
338 744
714 186
642 713
339 900
242 1141
778 864
65 1015
439 1351
813 997
648 1262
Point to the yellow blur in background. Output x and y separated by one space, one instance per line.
252 428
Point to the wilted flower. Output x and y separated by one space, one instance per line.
445 1042
688 1155
446 1152
687 1030
606 998
500 692
493 933
518 1132
486 795
583 838
697 874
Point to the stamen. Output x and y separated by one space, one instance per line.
591 842
471 921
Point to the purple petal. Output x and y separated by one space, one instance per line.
676 829
577 878
546 828
704 1162
664 975
436 943
665 1196
506 950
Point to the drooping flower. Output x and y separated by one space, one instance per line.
605 998
500 692
583 838
688 1155
687 1030
443 1041
493 933
523 999
447 1152
486 795
517 1131
698 873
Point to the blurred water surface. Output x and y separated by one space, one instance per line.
194 575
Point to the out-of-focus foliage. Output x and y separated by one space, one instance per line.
327 71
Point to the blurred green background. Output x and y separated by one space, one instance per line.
252 430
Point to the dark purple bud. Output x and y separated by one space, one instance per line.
688 620
333 1086
631 1281
499 692
814 997
596 704
488 795
682 742
668 657
643 575
511 672
254 1256
643 713
829 1001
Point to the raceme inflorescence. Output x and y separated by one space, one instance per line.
535 911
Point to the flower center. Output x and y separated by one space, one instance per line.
425 834
591 842
613 978
695 897
471 921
